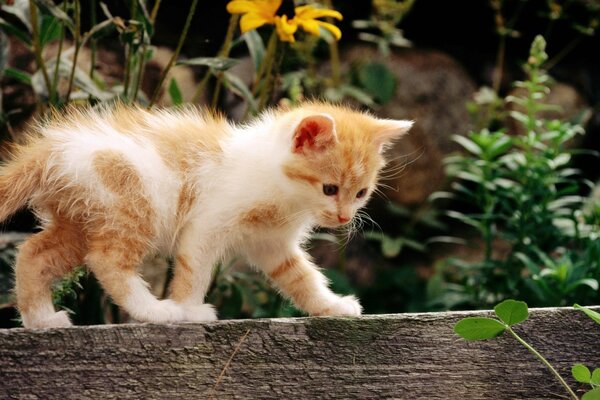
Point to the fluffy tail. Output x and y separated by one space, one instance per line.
20 178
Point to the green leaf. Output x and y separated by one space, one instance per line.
512 312
21 11
216 63
479 328
357 94
13 30
19 75
581 373
237 86
378 81
590 313
391 247
144 17
56 11
256 48
50 30
593 394
468 144
596 377
175 93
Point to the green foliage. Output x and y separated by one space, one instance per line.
479 328
512 312
590 313
382 27
525 197
65 290
238 292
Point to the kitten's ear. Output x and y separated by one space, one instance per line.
314 133
388 130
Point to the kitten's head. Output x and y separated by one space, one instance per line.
335 158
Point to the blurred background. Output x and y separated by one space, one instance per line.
494 194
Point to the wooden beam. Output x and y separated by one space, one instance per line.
405 356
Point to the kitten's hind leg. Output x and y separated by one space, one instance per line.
43 258
113 258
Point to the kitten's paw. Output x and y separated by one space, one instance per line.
200 313
58 319
160 312
346 306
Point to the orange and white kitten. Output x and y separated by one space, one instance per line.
116 185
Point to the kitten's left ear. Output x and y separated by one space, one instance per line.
388 130
314 133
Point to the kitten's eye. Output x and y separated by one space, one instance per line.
329 189
361 193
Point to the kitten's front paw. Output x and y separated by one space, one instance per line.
347 306
200 313
58 319
161 312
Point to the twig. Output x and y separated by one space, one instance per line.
186 27
37 46
58 54
140 75
220 377
224 52
77 47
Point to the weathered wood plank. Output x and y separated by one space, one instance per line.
407 356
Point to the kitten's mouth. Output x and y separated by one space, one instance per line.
329 220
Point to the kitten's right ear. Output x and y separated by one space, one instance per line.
314 133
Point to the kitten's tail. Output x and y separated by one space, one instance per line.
21 177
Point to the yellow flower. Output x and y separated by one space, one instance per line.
256 12
306 17
260 12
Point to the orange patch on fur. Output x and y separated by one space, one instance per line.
300 175
132 208
262 215
181 287
185 201
44 257
283 268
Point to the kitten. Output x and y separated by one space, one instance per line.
112 186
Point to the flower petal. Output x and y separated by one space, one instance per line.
334 30
310 12
266 8
241 7
285 28
252 21
310 26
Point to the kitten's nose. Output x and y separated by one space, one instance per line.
343 218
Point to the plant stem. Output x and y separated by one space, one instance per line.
154 11
130 55
268 75
142 64
224 52
544 361
182 37
37 49
93 20
334 53
77 47
267 59
58 54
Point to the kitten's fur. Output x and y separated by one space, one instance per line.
113 186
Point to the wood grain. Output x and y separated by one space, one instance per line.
402 356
